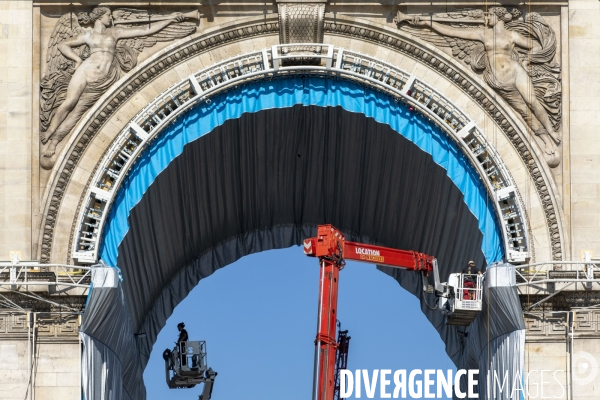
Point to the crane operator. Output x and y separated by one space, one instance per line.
183 337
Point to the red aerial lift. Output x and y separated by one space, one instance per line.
333 250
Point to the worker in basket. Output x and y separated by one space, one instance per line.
469 280
183 337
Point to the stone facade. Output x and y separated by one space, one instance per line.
39 207
584 65
45 353
552 346
16 126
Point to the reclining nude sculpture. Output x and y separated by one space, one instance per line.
82 64
515 58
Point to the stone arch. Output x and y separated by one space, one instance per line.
62 187
210 82
128 98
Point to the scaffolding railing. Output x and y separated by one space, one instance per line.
553 277
31 274
469 293
557 272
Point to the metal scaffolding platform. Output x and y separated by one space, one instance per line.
48 283
549 279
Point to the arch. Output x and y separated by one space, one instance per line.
287 93
339 63
168 157
74 174
161 167
164 252
241 91
59 200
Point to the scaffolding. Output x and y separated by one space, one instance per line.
42 282
548 279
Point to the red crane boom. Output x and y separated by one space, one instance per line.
332 250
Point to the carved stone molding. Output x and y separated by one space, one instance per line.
554 325
57 325
364 32
582 299
136 81
12 323
48 325
46 303
563 301
300 22
555 303
545 325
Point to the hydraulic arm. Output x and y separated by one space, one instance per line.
332 250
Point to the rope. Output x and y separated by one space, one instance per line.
485 119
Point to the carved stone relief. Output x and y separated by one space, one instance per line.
87 54
478 95
582 299
563 301
514 54
11 323
43 302
57 325
301 22
555 303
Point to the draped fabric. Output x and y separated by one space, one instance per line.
292 168
261 166
496 339
285 93
111 366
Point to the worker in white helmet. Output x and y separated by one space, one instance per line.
469 280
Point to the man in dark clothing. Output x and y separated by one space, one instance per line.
469 280
471 269
183 337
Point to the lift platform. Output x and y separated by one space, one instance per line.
464 300
186 367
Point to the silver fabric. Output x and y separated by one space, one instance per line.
500 324
110 363
496 339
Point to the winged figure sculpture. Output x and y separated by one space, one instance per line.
515 56
87 54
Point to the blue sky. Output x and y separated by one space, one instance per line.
258 317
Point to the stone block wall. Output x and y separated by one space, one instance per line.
14 369
584 82
569 357
44 366
16 68
57 371
56 368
